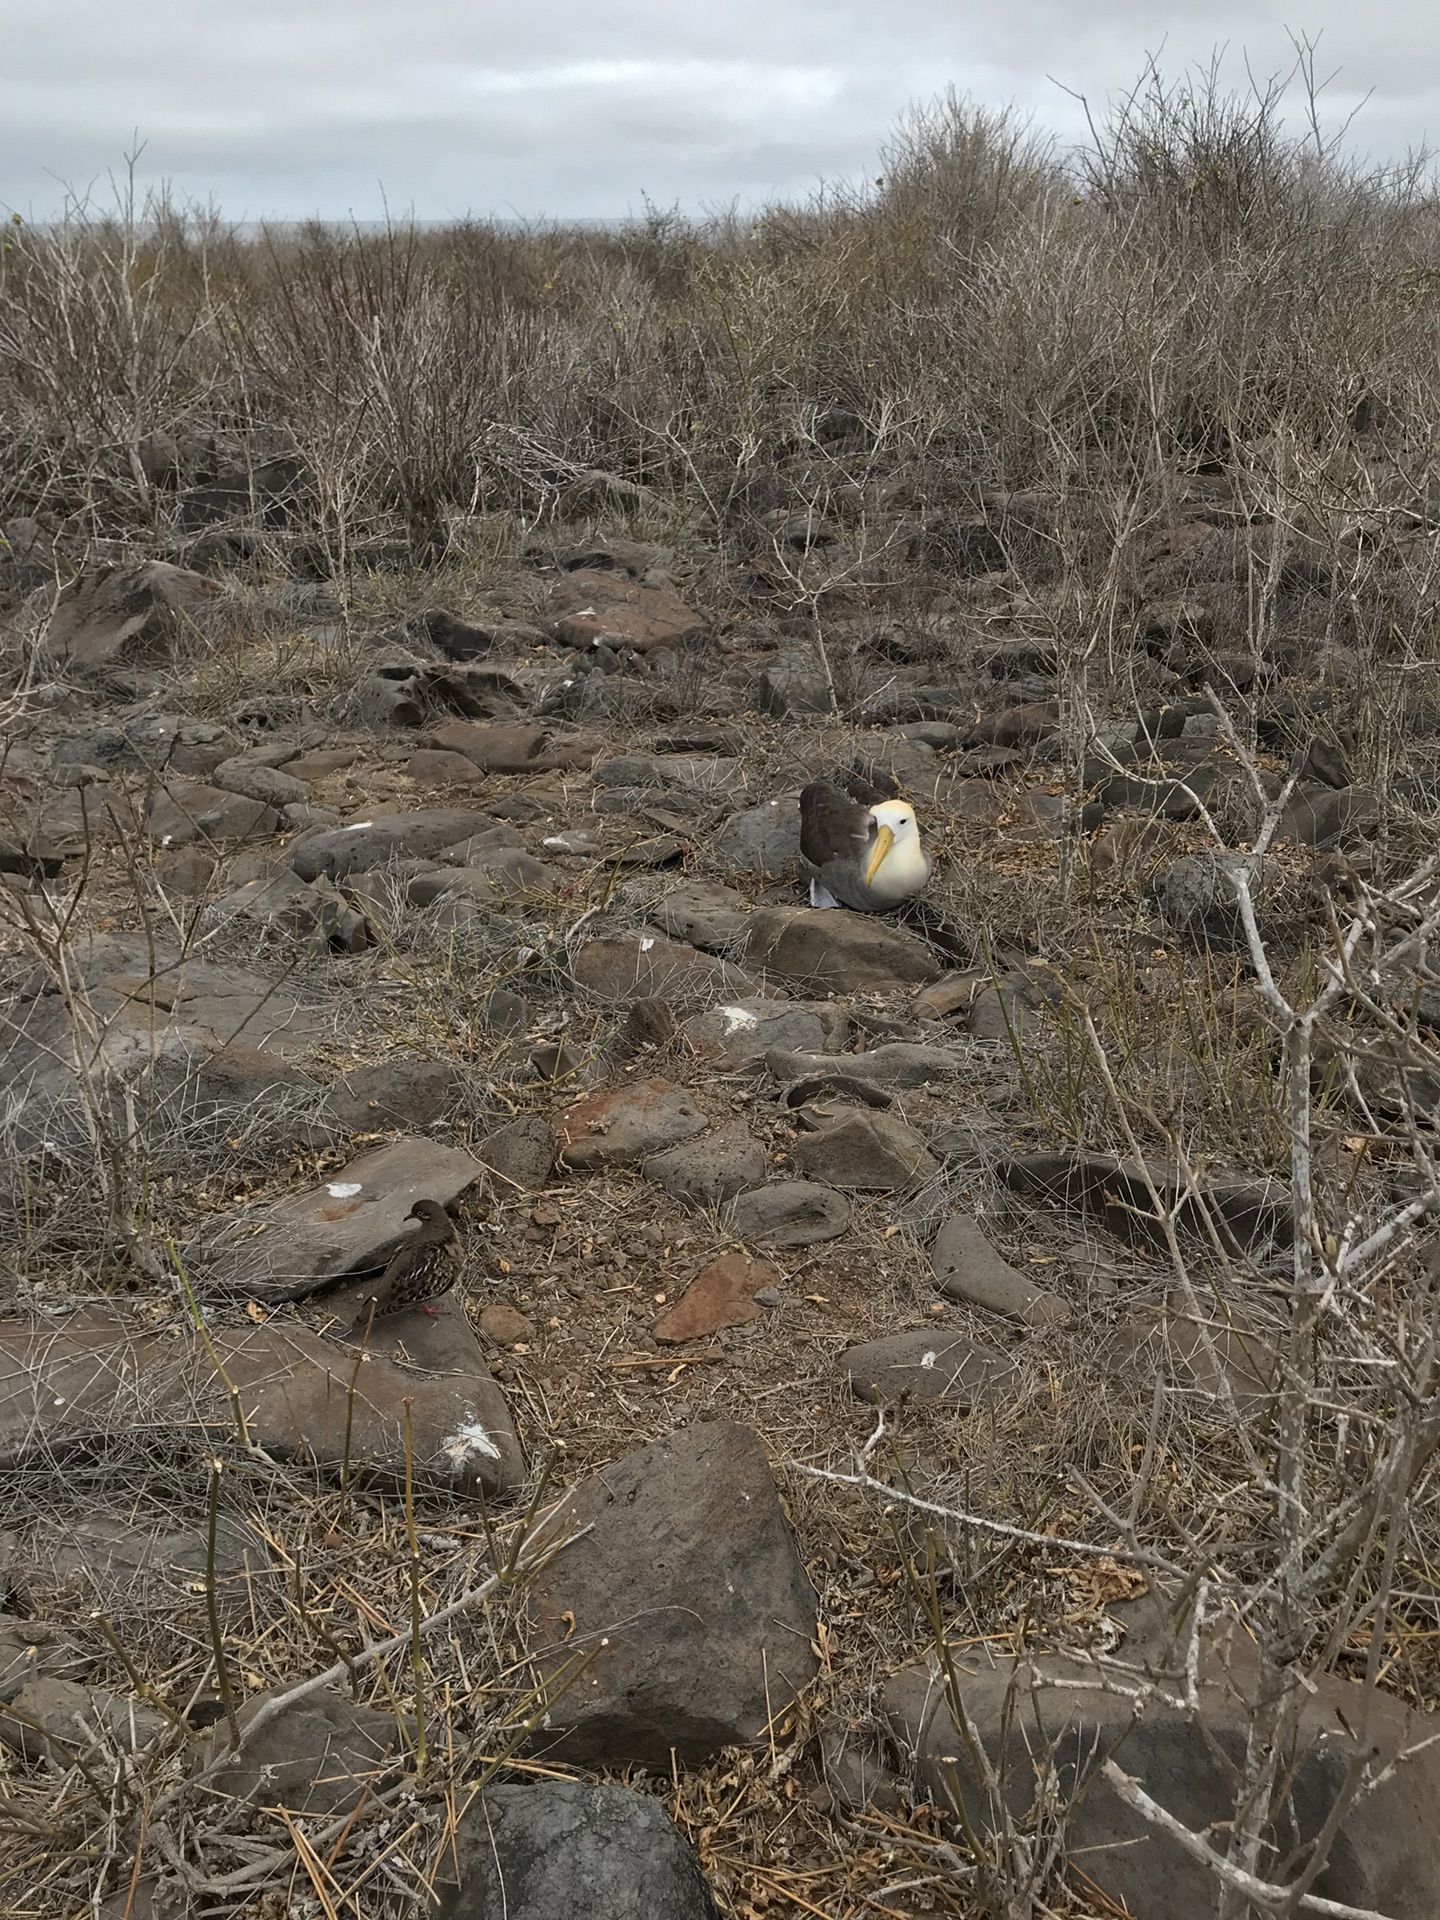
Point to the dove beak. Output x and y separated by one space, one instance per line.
884 840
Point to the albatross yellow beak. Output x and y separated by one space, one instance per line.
884 840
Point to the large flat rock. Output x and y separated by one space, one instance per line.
1385 1858
833 950
348 1224
647 966
94 1380
374 840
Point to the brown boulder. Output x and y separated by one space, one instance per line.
112 615
512 749
626 1124
833 950
590 608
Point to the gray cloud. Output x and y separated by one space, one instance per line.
567 109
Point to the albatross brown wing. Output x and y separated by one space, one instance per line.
832 825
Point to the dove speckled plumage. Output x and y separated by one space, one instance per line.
427 1266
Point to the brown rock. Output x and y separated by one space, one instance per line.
513 749
187 871
320 764
950 994
438 767
590 608
833 950
1016 726
186 810
505 1325
722 1295
624 1125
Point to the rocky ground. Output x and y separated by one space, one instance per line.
791 1237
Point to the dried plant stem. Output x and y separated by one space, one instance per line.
212 1606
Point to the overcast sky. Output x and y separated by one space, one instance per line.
586 108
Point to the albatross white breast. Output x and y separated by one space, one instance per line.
868 858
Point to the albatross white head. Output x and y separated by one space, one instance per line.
896 864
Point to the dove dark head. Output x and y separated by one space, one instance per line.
430 1213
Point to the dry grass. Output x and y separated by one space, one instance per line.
1012 394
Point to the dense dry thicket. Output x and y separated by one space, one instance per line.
1198 287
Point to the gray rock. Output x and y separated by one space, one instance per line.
52 1720
159 742
762 840
1384 1859
115 1561
792 1213
367 844
186 810
929 1363
393 1093
321 1754
1196 896
350 1223
1320 817
628 1124
647 966
91 1384
116 615
1325 762
32 1650
692 773
1251 1216
967 1267
563 1848
714 1168
793 684
300 817
303 909
721 1639
275 788
505 1011
501 874
520 1154
895 1064
741 1033
867 1152
270 489
703 914
856 1770
833 950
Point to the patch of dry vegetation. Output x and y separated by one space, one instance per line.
1203 323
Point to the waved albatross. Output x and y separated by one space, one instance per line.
869 858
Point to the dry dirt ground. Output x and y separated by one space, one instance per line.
1030 895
